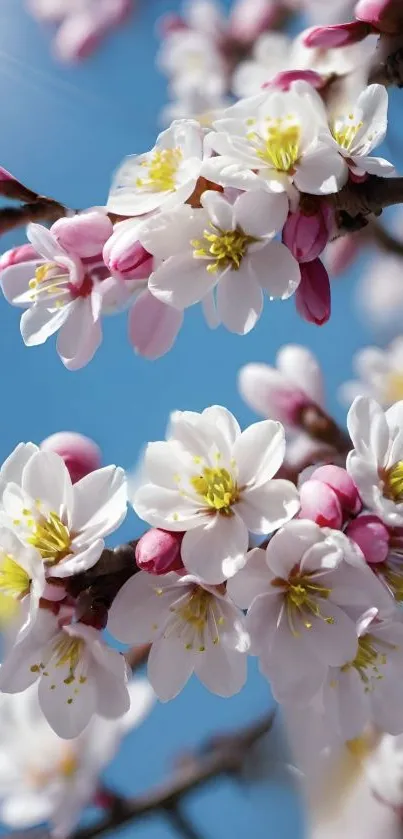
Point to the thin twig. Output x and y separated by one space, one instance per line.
384 239
182 823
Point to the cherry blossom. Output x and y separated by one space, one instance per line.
225 247
193 628
299 594
163 177
77 674
215 484
65 523
376 462
44 778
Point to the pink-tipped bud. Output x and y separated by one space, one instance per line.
339 35
340 482
23 253
84 234
320 504
385 16
80 454
285 79
312 297
159 551
371 536
306 235
5 175
125 256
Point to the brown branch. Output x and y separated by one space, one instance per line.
322 428
369 197
384 239
42 210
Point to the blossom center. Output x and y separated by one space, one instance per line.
217 489
50 537
226 247
197 618
83 290
303 601
393 484
162 167
281 144
14 580
68 651
346 133
47 280
369 659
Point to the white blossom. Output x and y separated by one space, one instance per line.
193 628
77 674
45 778
376 462
271 141
65 523
299 593
163 177
215 483
379 374
222 246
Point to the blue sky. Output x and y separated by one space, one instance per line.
63 132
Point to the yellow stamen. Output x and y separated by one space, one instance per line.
303 600
346 134
51 538
393 483
162 168
14 580
217 488
227 247
281 147
371 656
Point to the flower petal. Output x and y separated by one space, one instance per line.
259 452
251 580
170 665
182 281
239 300
217 550
100 502
38 323
153 326
276 270
266 508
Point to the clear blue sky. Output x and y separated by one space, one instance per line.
63 131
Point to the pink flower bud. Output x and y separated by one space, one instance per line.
54 593
339 35
5 175
159 551
80 454
22 253
285 79
371 536
320 504
249 18
84 234
170 23
340 482
306 235
125 256
385 16
312 297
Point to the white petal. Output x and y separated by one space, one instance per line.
217 550
169 233
44 242
24 809
164 461
257 384
166 508
221 212
276 270
15 280
266 508
321 171
47 479
113 698
375 166
368 429
182 281
68 719
153 326
170 665
222 670
259 452
300 366
299 681
288 546
261 213
333 643
138 610
79 561
13 467
239 300
372 110
225 423
100 502
251 580
38 323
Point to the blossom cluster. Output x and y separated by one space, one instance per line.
198 219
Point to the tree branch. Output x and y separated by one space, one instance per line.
384 239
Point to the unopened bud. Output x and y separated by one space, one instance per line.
339 35
312 297
125 256
80 454
342 484
385 16
320 504
372 537
307 234
159 551
83 234
285 79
